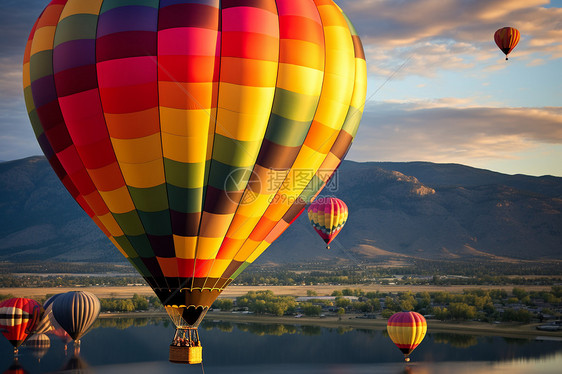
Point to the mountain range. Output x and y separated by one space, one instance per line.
396 210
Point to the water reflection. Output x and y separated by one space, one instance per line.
76 365
129 345
15 368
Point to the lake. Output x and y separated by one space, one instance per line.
140 346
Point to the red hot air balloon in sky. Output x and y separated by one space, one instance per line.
506 39
193 132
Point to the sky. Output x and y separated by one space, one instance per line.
439 89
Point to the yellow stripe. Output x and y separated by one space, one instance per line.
185 246
145 175
300 79
43 39
81 7
138 150
118 201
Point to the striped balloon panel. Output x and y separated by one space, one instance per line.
18 318
63 104
327 149
407 330
507 38
76 311
188 129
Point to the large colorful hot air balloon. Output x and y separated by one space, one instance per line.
506 39
18 319
407 330
194 133
327 216
75 312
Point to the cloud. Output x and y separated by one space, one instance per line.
439 133
450 34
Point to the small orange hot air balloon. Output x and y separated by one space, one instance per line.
407 330
507 38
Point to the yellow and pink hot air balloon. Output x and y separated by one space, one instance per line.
193 132
406 330
327 216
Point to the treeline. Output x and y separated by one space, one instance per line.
136 303
472 304
8 280
46 267
421 272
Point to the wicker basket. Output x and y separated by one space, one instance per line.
186 355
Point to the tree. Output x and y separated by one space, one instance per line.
462 311
140 302
342 302
441 313
311 310
519 293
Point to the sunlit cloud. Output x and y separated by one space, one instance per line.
450 34
465 134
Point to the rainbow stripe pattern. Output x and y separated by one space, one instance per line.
193 132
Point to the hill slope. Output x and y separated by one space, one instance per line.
418 209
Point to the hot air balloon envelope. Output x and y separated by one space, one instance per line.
18 319
328 215
407 330
75 312
506 39
193 133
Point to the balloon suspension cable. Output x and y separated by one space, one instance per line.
350 255
388 79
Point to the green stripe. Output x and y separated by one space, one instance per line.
141 245
153 199
111 4
349 24
185 200
186 175
126 246
294 105
41 65
352 120
139 265
236 153
229 178
312 188
129 223
76 27
239 270
283 131
36 123
156 223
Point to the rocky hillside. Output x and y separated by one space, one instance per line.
418 209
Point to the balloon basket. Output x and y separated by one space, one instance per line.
186 355
186 347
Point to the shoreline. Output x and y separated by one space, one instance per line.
347 321
508 330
